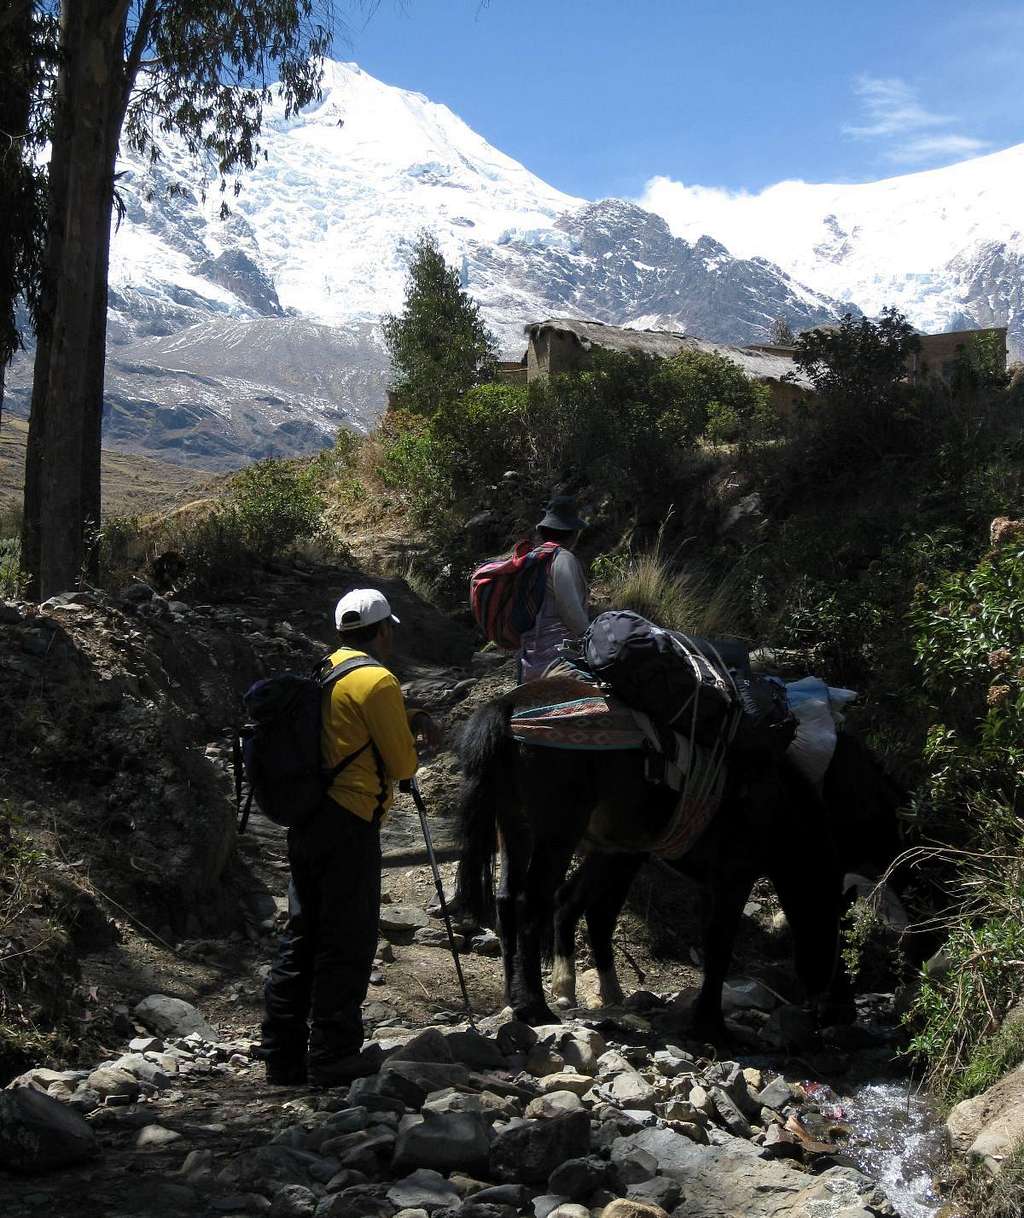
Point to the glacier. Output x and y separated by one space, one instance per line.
258 333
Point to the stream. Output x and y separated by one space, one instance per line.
899 1140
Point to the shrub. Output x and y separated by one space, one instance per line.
275 505
969 641
12 579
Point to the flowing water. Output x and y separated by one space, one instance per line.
899 1140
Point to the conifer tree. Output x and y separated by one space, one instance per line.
439 345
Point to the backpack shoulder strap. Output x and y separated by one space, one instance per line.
327 679
327 676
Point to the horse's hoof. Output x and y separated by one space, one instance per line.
564 1004
536 1015
712 1032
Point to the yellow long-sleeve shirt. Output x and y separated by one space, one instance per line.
364 705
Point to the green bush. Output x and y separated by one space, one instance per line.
12 580
275 505
627 427
969 640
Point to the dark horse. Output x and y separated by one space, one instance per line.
535 805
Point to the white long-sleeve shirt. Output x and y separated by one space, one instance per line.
563 615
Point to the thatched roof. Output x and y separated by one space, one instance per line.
757 363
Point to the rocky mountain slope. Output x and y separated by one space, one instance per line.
256 333
945 245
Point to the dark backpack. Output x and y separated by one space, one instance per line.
279 748
664 674
767 726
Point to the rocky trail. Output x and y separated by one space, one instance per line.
159 1109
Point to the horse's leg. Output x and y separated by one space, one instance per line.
615 875
505 908
547 867
811 898
722 908
570 901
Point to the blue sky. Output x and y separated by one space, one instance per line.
596 97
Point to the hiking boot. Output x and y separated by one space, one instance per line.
338 1071
286 1074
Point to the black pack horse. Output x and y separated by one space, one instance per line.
533 806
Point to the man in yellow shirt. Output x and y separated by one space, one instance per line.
313 1024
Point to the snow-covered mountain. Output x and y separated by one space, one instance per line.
258 332
946 246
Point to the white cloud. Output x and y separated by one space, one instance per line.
911 133
890 108
936 147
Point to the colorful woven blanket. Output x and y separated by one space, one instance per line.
593 722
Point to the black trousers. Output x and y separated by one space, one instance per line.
316 987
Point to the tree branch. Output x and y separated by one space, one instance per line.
134 59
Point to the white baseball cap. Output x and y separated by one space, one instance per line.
362 607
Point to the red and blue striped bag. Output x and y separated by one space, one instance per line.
506 593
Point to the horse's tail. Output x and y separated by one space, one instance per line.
486 753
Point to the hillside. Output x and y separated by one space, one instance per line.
132 485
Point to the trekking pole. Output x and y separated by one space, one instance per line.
412 786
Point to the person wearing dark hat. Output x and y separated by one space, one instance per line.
564 613
312 1028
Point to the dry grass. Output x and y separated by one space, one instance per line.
684 598
132 485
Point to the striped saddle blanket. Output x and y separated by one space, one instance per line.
596 722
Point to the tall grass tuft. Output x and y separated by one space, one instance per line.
688 599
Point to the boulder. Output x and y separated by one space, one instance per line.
625 1207
359 1201
173 1017
631 1164
410 1082
110 1082
38 1133
991 1117
658 1191
446 1141
631 1090
746 994
155 1137
986 1125
476 1051
777 1094
515 1195
729 1113
398 923
430 1045
529 1151
566 1080
578 1178
293 1201
554 1104
731 1177
423 1189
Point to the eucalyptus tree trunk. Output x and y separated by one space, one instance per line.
62 466
15 107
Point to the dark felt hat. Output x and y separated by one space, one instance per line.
562 515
